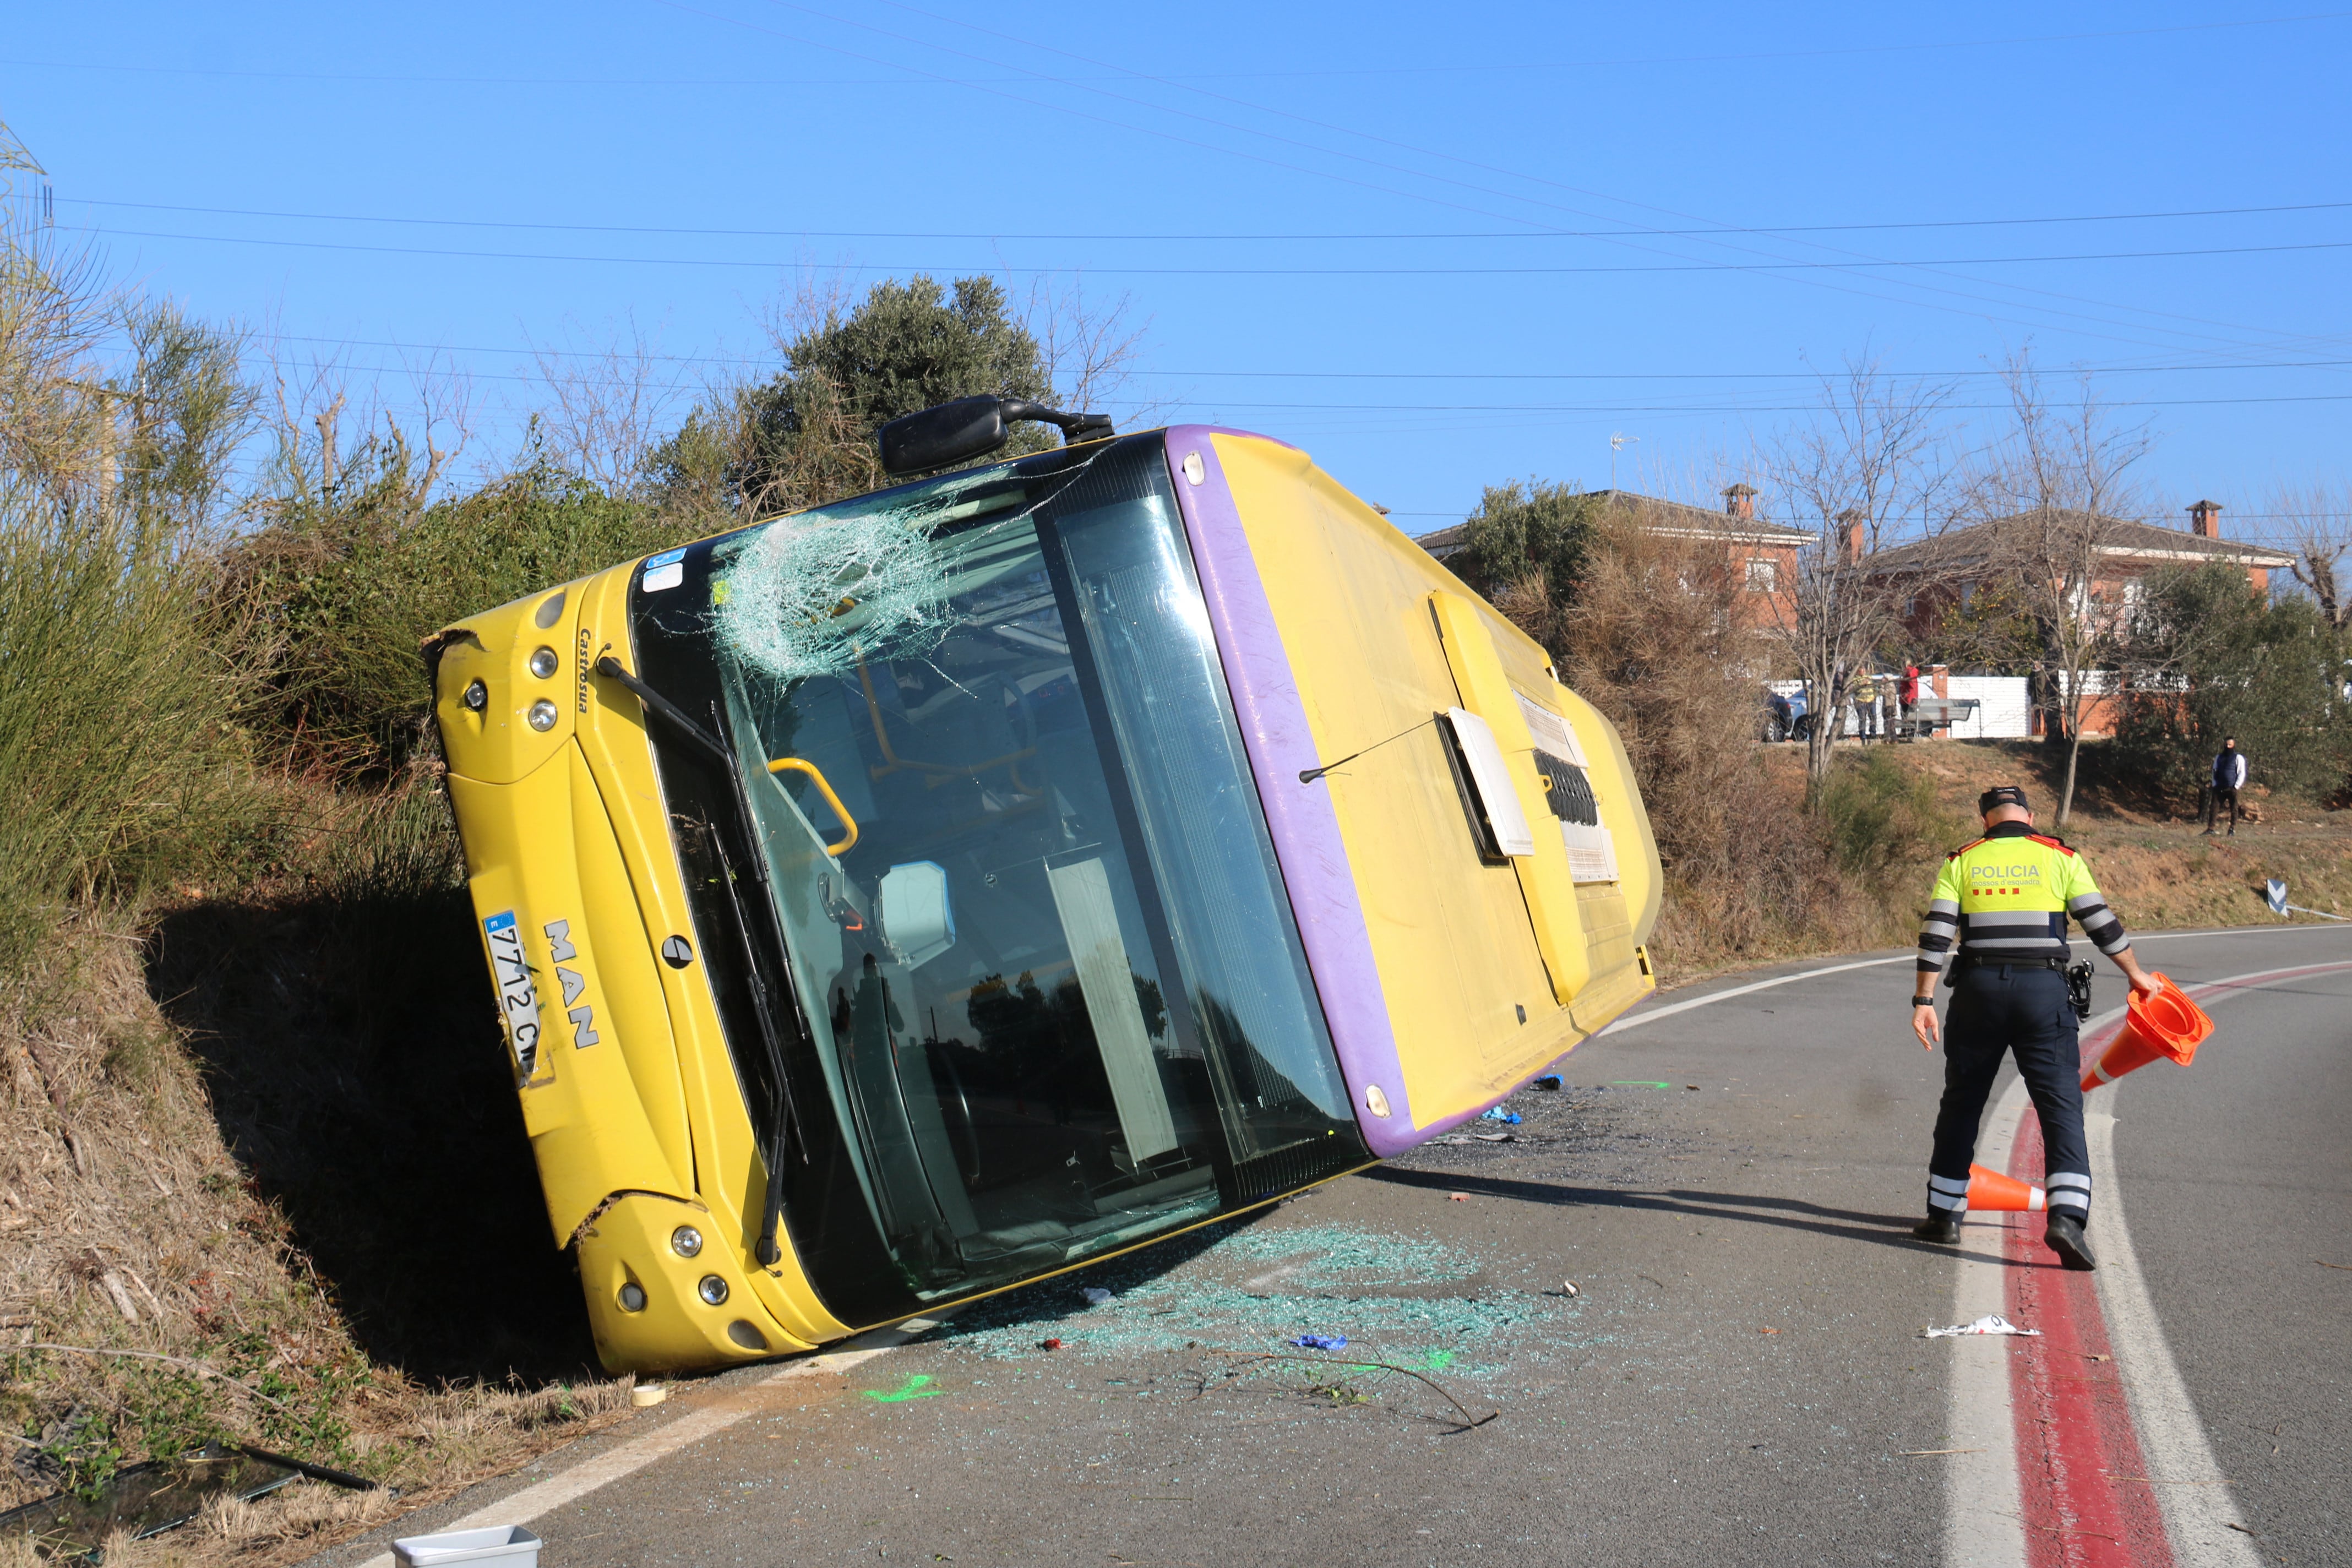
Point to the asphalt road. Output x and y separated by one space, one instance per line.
1738 1378
2238 1192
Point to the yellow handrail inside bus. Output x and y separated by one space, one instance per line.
941 773
802 766
891 761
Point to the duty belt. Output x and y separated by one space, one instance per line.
1968 961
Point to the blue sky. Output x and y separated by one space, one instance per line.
1438 252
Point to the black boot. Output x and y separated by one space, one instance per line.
1942 1225
2065 1238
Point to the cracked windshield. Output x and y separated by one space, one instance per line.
1031 911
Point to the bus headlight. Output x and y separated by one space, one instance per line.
685 1241
543 663
633 1297
542 715
713 1289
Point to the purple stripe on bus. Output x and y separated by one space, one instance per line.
1306 831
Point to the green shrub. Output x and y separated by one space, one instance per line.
2206 660
1882 824
806 436
1529 532
341 588
117 754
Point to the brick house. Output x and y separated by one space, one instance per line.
1764 553
1946 570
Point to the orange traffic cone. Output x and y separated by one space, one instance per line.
2165 1024
1991 1191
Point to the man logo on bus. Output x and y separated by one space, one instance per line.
581 1013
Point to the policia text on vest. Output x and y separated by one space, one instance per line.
1999 914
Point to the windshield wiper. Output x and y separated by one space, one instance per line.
711 745
788 1135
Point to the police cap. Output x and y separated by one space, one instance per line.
2000 796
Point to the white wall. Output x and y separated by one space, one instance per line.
2002 713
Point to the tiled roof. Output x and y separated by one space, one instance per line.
1670 516
2120 538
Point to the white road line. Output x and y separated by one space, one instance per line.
567 1486
2198 1513
1984 1503
1654 1014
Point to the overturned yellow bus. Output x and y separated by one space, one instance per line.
916 895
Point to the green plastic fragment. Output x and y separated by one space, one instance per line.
915 1387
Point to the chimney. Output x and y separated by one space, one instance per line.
1740 501
2205 519
1854 531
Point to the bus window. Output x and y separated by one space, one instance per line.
1050 999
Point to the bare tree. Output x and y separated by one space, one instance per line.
612 403
2317 521
2050 496
328 450
1869 462
1089 349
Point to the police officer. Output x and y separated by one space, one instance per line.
1999 912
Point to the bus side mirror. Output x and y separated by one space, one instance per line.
971 427
943 436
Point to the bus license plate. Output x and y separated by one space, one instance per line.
518 994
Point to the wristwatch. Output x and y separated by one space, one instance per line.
1923 1001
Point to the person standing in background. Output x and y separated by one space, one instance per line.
2229 777
1865 703
1910 692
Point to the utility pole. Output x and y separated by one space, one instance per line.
107 398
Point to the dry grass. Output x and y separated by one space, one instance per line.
130 1228
2159 871
202 1133
2157 867
308 1512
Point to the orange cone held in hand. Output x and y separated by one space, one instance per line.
1991 1191
2165 1025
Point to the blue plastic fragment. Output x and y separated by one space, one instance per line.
1322 1342
1498 1113
1549 1080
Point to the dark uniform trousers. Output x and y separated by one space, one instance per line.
1998 1008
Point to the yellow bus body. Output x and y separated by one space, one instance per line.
1485 973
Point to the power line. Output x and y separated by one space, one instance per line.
1609 408
1514 65
776 361
1216 238
1973 296
772 265
1410 175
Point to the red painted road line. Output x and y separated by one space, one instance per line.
2075 1441
2075 1433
